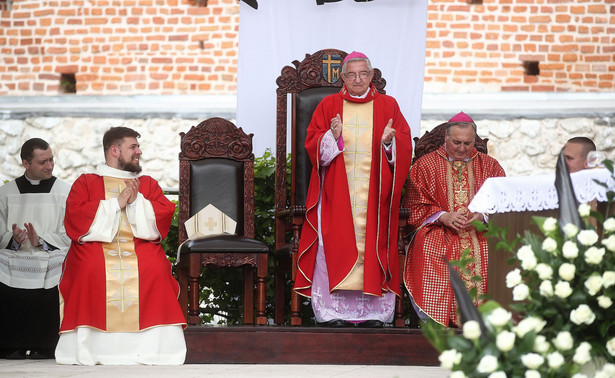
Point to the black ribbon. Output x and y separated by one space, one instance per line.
568 204
251 3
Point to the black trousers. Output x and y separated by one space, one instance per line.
29 318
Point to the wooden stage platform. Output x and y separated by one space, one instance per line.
308 345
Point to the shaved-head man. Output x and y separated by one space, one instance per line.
576 151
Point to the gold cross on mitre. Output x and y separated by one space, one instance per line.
211 224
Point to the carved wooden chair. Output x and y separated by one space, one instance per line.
307 83
216 166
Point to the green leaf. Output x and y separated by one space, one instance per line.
436 334
603 328
472 292
608 164
488 306
527 342
460 343
517 307
549 312
480 226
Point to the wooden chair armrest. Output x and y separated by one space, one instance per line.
298 214
282 214
404 213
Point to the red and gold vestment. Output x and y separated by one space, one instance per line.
438 184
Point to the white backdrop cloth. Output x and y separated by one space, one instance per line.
534 193
390 32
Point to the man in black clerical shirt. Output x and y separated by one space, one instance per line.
34 245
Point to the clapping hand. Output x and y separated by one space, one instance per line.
129 194
336 126
32 235
389 133
19 236
27 233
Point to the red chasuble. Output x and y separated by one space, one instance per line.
381 267
86 284
437 184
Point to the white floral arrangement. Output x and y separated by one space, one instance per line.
564 287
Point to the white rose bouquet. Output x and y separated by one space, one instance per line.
575 296
506 349
563 286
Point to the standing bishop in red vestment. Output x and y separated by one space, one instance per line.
359 145
442 185
118 296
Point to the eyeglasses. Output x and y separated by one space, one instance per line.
362 75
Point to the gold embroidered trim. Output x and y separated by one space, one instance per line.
122 270
357 134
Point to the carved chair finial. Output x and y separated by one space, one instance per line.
216 137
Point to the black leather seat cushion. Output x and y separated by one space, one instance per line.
305 103
218 182
224 244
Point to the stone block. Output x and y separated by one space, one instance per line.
523 166
45 123
530 127
575 125
605 140
501 130
12 127
70 159
534 147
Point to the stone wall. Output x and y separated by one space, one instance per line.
191 46
531 146
520 45
523 146
77 144
119 46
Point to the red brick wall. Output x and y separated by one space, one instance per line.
482 47
181 47
119 46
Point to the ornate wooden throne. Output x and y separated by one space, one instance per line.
306 84
216 166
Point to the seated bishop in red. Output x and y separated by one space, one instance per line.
442 184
